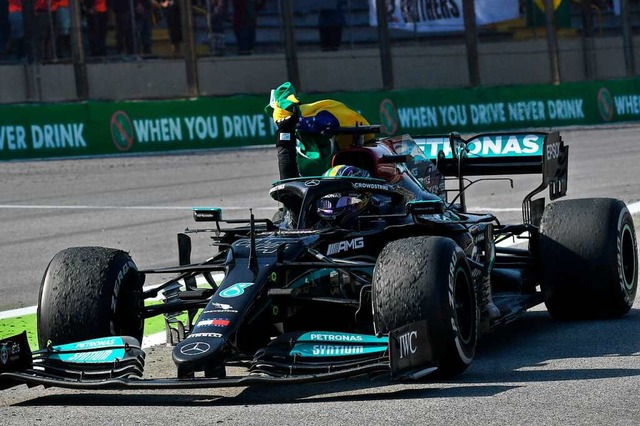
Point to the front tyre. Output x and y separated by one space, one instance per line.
90 292
588 253
429 278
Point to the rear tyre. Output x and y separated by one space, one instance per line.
429 278
90 292
588 254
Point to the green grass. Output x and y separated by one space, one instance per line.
12 326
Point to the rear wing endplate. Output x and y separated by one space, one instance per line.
491 154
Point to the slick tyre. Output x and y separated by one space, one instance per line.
429 278
90 292
589 260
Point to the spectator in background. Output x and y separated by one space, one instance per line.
216 38
330 22
124 26
143 26
5 29
62 22
42 29
97 21
16 42
245 19
174 25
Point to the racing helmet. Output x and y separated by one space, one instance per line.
343 209
344 170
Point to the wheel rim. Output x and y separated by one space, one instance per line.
628 266
463 298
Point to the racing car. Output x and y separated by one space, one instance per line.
404 285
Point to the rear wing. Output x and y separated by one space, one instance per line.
490 154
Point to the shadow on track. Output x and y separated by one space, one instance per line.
506 359
263 395
522 351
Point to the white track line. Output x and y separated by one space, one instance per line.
29 310
154 340
17 206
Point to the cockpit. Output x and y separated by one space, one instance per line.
320 202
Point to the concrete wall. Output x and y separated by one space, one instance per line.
240 74
13 87
153 79
420 66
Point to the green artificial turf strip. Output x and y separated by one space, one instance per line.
12 326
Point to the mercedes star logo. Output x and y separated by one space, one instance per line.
313 182
196 348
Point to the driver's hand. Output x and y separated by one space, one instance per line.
288 124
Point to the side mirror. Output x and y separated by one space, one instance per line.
425 207
207 214
393 159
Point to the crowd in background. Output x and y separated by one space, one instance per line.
132 22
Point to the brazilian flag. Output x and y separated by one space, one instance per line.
316 146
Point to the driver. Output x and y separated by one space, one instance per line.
311 155
344 209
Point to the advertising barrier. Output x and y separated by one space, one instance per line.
33 131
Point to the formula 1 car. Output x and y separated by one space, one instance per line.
405 287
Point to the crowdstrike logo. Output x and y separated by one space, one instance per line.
373 186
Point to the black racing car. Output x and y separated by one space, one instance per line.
405 284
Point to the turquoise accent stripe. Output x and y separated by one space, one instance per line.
90 357
88 345
342 338
208 209
105 349
334 350
504 145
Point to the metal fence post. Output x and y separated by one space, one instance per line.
190 58
290 48
134 36
32 66
52 33
552 41
386 60
627 38
587 40
471 39
77 51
